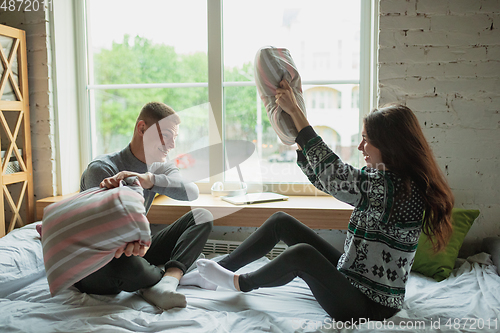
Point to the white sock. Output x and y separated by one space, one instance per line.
194 278
164 295
215 273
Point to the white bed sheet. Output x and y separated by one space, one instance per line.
473 292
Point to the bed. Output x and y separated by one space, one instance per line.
467 301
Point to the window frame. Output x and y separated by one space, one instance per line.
367 88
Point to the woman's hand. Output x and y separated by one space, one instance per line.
134 248
285 98
146 179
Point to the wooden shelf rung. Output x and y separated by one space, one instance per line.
11 105
13 178
25 204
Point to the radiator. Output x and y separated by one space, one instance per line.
214 246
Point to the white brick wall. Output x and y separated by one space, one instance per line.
40 90
442 59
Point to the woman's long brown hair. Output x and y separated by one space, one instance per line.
396 132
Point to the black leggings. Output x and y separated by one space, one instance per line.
177 245
308 256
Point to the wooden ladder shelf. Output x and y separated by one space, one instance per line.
16 171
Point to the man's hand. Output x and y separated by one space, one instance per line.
110 182
134 248
146 179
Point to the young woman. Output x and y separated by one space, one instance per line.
399 193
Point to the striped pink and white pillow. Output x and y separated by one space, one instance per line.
82 233
272 65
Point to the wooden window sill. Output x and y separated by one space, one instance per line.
317 212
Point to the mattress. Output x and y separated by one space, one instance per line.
468 300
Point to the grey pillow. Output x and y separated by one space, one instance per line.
81 234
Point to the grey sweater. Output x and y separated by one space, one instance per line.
167 179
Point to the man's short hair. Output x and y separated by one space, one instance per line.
153 112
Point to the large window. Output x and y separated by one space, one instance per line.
152 51
183 53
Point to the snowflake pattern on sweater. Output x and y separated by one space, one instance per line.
384 228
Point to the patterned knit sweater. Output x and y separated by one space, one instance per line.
384 227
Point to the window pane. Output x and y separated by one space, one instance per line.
323 38
154 41
148 42
242 110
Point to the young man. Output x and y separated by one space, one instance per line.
154 271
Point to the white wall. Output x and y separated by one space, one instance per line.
53 113
442 59
66 97
35 23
